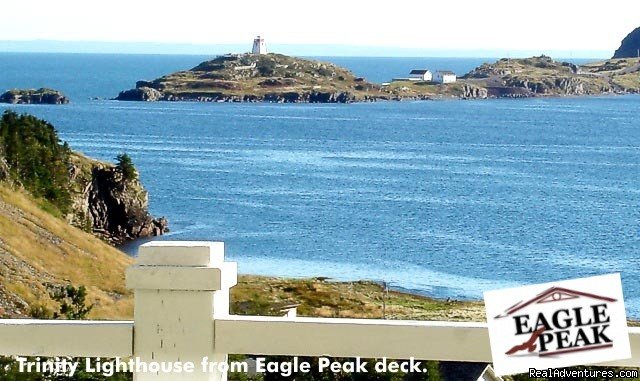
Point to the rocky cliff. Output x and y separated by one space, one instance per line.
31 96
630 46
108 205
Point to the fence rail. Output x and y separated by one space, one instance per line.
78 338
181 292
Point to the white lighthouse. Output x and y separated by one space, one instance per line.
259 46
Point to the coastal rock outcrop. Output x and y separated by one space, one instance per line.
508 92
544 86
31 96
110 206
143 94
630 46
473 92
147 94
309 97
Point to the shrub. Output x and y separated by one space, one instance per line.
72 302
266 68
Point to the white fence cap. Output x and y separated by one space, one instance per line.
181 253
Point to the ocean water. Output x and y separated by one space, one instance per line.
84 77
445 198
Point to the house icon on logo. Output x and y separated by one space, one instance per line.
551 295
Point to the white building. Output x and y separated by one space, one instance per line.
420 75
259 46
444 76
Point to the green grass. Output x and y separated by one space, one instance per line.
362 299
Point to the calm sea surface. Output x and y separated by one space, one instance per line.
446 198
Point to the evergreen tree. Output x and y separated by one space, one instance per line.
35 157
124 164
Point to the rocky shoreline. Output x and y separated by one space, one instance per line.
467 92
147 94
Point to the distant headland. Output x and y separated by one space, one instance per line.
260 76
630 46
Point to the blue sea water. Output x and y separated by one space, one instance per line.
446 198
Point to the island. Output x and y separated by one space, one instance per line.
257 78
33 96
285 79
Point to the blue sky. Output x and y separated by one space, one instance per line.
331 27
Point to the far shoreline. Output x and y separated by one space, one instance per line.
276 78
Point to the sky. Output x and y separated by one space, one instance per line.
577 28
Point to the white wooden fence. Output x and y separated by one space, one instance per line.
181 292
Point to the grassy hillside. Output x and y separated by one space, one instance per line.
38 249
261 74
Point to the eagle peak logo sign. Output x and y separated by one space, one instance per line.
553 325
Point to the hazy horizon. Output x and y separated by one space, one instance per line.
459 28
137 47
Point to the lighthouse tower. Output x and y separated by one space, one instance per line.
259 46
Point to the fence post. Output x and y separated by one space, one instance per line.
179 289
